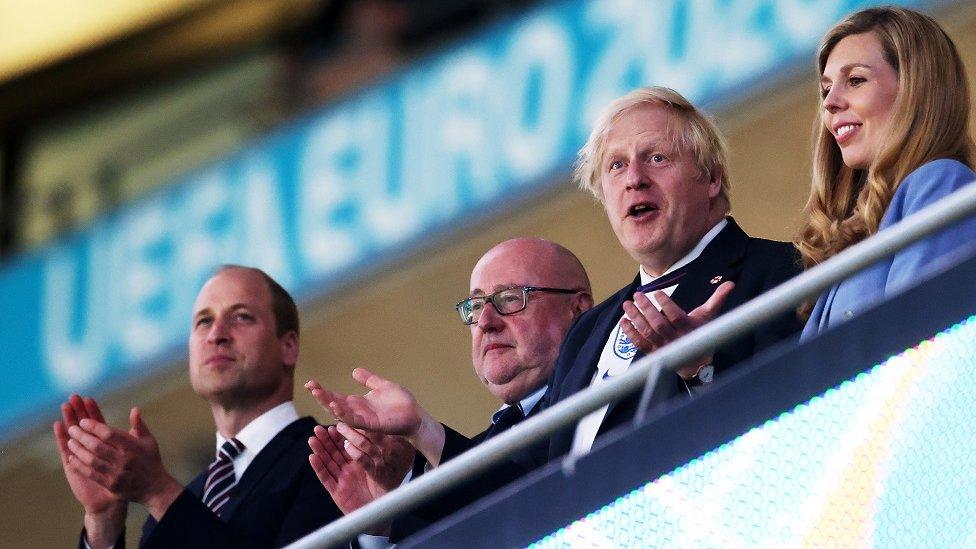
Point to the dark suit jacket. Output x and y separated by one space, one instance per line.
277 500
755 265
472 490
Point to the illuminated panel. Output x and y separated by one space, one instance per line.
885 459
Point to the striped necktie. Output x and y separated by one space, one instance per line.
220 476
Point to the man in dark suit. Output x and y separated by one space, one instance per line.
524 295
259 491
659 168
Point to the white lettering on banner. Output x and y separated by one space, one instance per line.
620 63
387 213
442 140
797 23
142 257
324 199
74 357
422 171
465 118
259 221
202 238
540 53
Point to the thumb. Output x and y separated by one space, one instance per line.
714 304
138 427
368 379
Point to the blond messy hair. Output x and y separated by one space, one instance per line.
698 133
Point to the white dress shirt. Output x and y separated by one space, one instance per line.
258 433
619 351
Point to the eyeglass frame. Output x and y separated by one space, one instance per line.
490 298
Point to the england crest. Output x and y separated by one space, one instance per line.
622 346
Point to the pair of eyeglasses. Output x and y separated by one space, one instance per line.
506 302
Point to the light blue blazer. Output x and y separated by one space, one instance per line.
927 184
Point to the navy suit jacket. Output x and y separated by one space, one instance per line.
472 490
754 264
925 185
277 500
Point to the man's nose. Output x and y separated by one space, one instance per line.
489 319
219 332
635 177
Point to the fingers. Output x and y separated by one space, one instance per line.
330 442
714 304
321 472
68 415
648 322
660 323
61 438
359 445
368 379
93 410
635 336
137 425
78 406
92 440
339 442
324 396
325 465
95 465
676 316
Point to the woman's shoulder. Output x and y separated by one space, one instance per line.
934 179
943 170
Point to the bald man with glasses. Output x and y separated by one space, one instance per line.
524 295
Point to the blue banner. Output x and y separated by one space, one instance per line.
454 138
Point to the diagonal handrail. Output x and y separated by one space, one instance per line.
936 216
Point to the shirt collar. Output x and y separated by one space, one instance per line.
527 403
690 256
259 432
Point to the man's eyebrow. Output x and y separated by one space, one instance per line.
234 307
495 288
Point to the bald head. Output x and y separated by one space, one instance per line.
513 354
547 263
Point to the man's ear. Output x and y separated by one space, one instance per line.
715 180
582 302
289 349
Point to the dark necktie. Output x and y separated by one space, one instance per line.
665 281
220 476
505 419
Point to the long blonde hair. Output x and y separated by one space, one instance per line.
929 120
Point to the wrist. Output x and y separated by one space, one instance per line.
694 370
160 499
103 528
429 439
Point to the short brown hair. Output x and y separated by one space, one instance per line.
282 304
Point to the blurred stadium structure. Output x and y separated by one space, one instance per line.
133 133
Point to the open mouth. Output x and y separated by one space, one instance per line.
641 210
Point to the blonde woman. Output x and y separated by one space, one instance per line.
893 137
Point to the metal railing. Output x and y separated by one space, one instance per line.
723 329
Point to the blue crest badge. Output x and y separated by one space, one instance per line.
622 345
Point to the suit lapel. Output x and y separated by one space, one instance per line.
720 261
264 462
588 357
